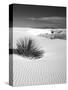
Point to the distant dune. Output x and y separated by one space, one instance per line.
55 34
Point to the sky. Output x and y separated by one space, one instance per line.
33 16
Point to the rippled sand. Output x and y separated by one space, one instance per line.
50 69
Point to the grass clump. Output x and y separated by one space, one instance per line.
27 48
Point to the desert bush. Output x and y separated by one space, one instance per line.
54 36
60 36
27 48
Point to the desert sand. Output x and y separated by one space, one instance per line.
50 69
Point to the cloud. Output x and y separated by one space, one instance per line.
47 18
51 18
32 18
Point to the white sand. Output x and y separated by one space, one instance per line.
51 69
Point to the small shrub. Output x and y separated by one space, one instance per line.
27 48
60 36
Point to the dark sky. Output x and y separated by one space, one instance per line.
39 16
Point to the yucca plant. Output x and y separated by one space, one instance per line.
26 47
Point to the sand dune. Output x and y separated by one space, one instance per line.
50 69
